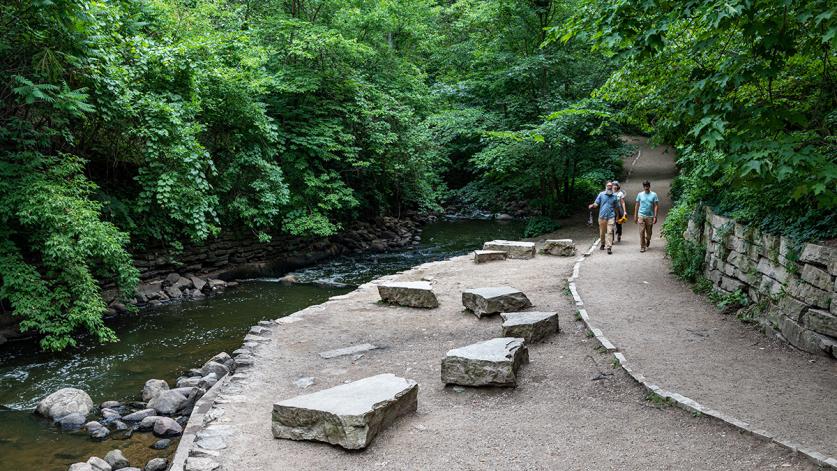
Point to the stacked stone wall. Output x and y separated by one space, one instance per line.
793 284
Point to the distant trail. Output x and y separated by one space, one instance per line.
682 343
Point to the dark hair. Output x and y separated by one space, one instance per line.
646 183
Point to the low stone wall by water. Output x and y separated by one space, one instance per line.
792 285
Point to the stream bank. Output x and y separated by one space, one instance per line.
165 341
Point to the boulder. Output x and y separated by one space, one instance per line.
99 464
116 459
483 256
64 402
161 444
120 425
111 405
72 421
198 283
167 402
171 279
147 423
110 415
173 292
491 363
493 300
408 293
80 467
559 247
96 430
152 388
156 464
532 326
139 415
167 427
349 415
219 369
515 249
193 381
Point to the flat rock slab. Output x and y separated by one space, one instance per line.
491 363
494 300
408 293
532 326
483 256
349 415
364 347
559 247
515 249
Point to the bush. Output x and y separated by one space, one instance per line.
538 225
686 256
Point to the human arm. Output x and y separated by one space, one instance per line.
656 208
636 210
595 203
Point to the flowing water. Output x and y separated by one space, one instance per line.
166 341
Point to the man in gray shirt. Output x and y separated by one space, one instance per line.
606 202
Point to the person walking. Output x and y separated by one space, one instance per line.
645 214
606 201
622 216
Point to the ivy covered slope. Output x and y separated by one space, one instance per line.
746 90
130 122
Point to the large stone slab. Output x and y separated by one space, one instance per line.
559 247
494 300
408 293
491 363
349 415
532 326
483 256
515 249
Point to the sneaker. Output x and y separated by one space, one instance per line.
601 248
609 252
642 249
619 238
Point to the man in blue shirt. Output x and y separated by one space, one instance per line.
606 202
645 214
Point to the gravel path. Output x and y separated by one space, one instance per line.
681 342
559 417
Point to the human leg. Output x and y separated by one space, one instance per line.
609 224
602 233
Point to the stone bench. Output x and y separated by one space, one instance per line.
494 300
408 293
560 247
491 363
482 256
515 249
349 415
532 326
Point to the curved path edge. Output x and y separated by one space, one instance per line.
677 399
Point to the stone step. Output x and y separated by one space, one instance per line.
408 293
349 415
491 363
532 326
351 350
559 247
494 300
515 249
482 256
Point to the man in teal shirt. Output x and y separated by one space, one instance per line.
645 214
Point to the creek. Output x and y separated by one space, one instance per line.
166 341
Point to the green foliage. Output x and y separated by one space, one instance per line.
686 256
518 124
538 225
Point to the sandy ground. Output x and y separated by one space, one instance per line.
559 417
681 342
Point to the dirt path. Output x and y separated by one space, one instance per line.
682 343
559 417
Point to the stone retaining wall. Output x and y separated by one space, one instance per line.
792 285
233 255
